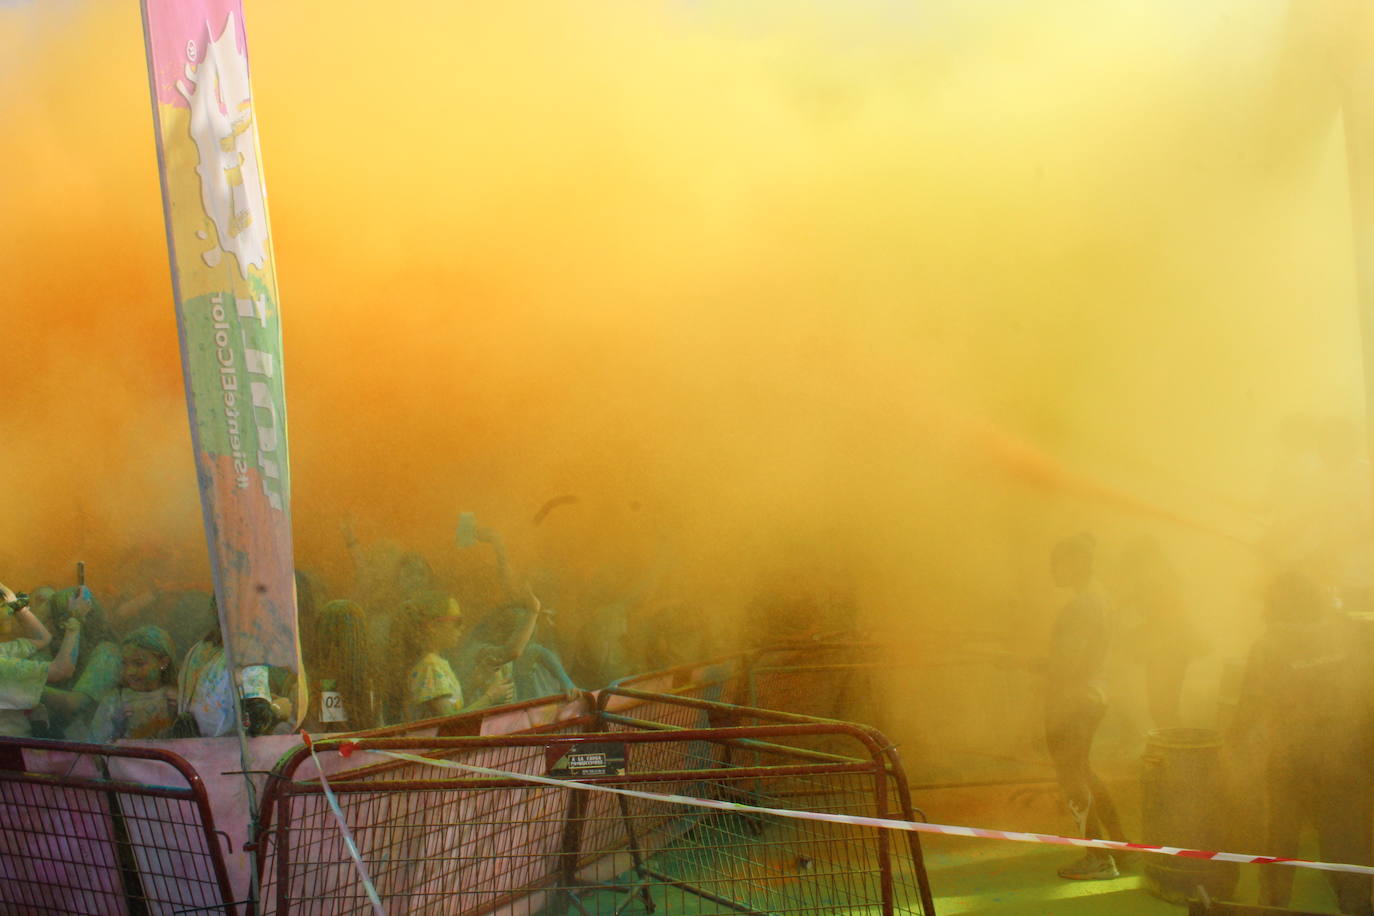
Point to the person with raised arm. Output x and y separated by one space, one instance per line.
501 646
95 663
23 677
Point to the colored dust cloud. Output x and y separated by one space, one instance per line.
808 316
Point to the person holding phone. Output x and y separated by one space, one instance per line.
23 675
425 685
77 684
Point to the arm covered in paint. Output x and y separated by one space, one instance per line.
64 660
31 627
519 640
35 629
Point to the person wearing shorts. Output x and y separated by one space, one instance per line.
1076 700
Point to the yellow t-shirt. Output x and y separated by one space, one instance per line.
432 678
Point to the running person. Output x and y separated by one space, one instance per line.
1076 700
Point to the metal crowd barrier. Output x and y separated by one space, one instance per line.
510 717
833 680
77 835
859 680
541 716
96 829
723 679
828 679
627 708
443 840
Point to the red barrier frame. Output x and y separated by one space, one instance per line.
123 877
276 803
727 714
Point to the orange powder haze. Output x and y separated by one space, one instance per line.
893 297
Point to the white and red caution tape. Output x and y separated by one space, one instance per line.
349 843
880 823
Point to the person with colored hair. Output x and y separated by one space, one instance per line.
144 705
24 674
424 685
70 700
344 698
502 645
206 702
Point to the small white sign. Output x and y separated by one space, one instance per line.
332 707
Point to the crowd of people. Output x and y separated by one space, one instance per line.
406 643
1297 745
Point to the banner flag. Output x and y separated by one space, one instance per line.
225 286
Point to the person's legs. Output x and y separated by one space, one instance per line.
1104 811
1069 737
1284 821
1342 806
1068 743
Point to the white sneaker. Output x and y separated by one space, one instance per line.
1092 867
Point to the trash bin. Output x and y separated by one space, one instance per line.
1184 802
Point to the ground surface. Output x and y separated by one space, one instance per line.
971 877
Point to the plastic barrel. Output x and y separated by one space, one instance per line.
1183 798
